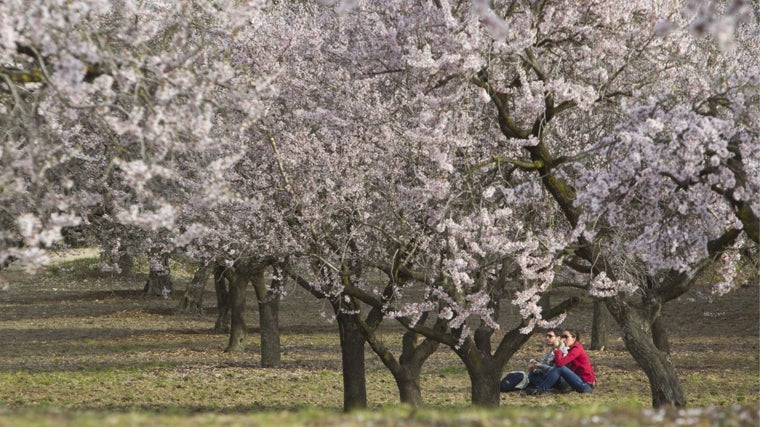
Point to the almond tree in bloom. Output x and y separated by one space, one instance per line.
384 174
330 170
101 101
647 140
125 117
685 158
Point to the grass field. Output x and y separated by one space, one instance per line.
81 348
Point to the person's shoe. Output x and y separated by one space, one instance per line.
532 391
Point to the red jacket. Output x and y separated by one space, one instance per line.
577 360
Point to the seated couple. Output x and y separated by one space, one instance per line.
564 367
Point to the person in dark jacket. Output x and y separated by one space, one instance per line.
574 367
537 369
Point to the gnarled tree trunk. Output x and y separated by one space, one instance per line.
660 335
663 379
484 373
412 358
407 369
192 300
484 368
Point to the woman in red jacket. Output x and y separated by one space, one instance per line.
574 367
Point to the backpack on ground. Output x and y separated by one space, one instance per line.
514 381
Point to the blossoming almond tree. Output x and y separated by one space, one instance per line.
155 96
378 182
101 100
125 116
683 152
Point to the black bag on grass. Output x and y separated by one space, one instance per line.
514 381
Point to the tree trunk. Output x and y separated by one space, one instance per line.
660 335
351 345
484 375
485 389
408 383
192 300
409 388
352 354
237 296
412 358
221 286
122 257
600 327
663 379
159 281
406 371
269 305
126 263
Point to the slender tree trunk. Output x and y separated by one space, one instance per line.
192 300
600 327
269 305
237 297
221 286
663 378
352 354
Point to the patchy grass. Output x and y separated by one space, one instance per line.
82 348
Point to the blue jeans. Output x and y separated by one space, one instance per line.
537 377
557 373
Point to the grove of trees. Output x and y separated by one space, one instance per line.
421 162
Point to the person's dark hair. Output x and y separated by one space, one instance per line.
576 334
555 331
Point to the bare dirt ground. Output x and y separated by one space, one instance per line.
95 342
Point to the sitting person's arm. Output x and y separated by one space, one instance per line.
562 360
547 362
